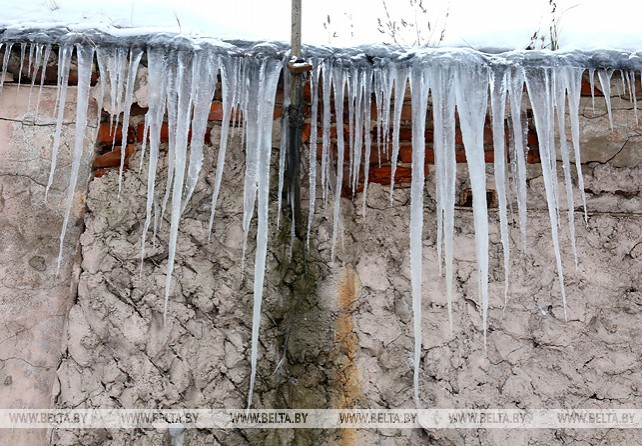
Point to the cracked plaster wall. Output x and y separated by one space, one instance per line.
340 335
33 299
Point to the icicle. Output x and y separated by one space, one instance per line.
45 62
471 93
264 84
64 60
339 86
400 76
592 84
538 83
252 160
445 170
562 78
135 55
367 118
351 86
633 95
23 47
85 56
419 89
283 147
516 88
34 66
143 146
605 81
172 128
5 63
204 89
498 113
327 126
573 90
358 136
312 147
182 92
158 66
229 87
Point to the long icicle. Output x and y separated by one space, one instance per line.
85 56
471 92
538 83
498 112
419 90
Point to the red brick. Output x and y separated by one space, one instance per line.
586 88
164 133
533 157
382 175
112 159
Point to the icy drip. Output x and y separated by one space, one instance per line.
45 61
5 62
312 148
573 90
605 82
367 119
35 56
471 93
135 55
516 89
358 120
419 86
560 83
338 87
206 68
85 57
157 69
180 105
327 127
285 128
229 82
633 94
263 80
498 89
23 47
539 85
445 170
400 77
64 60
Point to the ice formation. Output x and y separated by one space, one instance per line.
183 78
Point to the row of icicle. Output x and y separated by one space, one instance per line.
182 86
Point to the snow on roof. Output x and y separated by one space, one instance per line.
500 24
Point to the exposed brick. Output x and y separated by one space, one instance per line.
112 158
216 112
586 88
533 157
164 133
382 175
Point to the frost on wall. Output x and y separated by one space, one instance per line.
183 77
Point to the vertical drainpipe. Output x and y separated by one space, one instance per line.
297 67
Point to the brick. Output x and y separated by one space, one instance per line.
586 88
164 133
216 112
112 158
382 175
533 157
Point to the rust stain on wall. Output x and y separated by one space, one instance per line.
347 378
